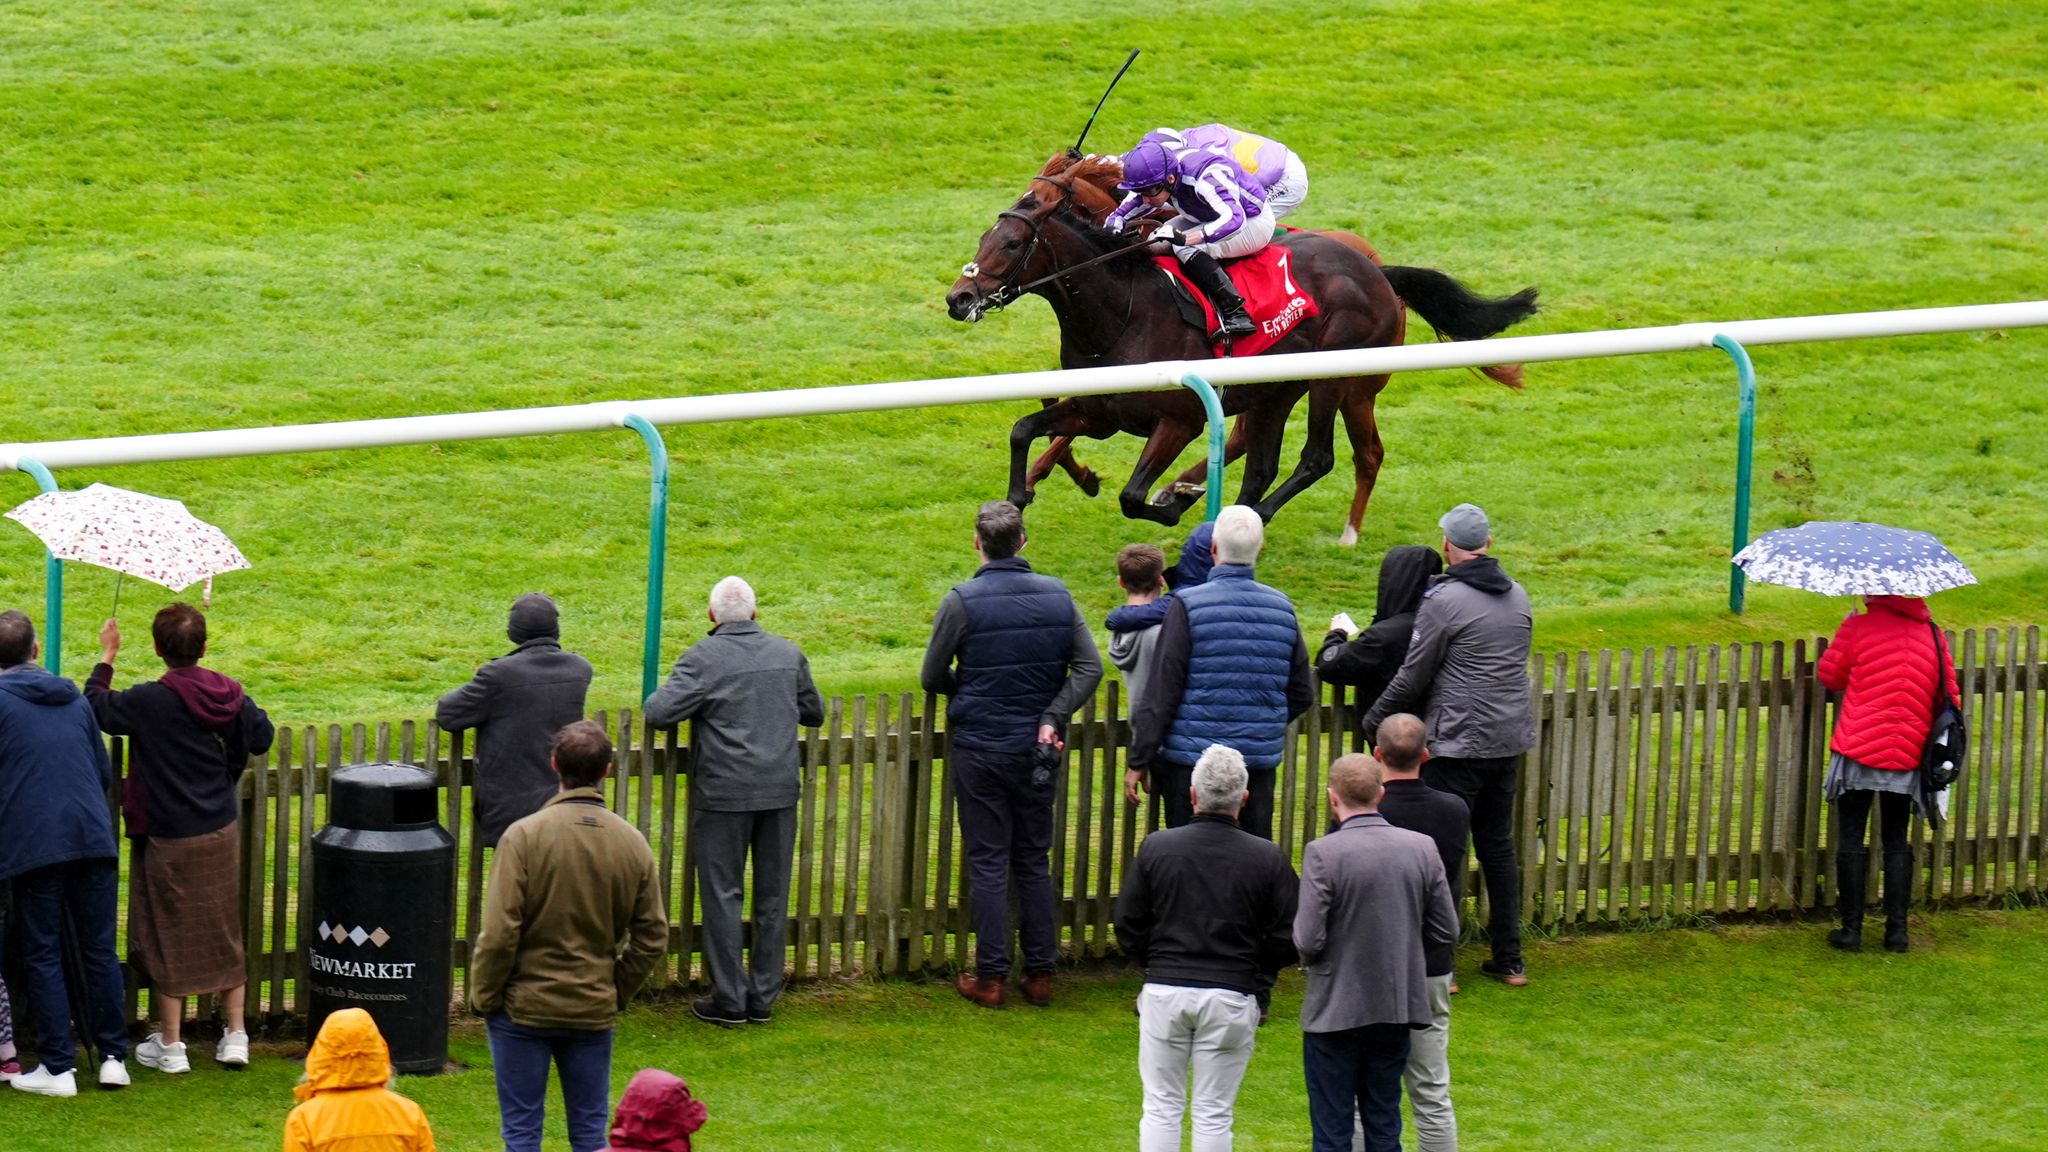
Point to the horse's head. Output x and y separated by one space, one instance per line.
1015 251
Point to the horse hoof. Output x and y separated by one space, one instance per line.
1091 484
1349 537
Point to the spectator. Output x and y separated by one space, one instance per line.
1374 901
57 847
747 691
1467 669
190 736
1409 803
1207 911
657 1114
1368 660
573 923
1887 663
517 703
345 1102
1014 658
1134 627
1230 668
1196 560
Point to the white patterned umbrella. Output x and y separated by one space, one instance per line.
147 537
1851 558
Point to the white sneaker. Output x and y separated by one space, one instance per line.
233 1050
154 1053
113 1073
43 1083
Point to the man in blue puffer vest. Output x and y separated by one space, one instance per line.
1014 658
1230 668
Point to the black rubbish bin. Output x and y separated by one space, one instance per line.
382 917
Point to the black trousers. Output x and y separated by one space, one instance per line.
1894 809
1171 783
1487 785
1006 830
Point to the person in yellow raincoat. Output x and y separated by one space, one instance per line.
345 1104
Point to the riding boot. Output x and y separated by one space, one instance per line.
1205 273
1898 896
1852 873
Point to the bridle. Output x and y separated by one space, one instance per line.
1008 291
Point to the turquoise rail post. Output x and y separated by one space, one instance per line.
1214 408
1745 437
657 549
53 577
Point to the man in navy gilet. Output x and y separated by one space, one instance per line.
1014 658
1230 668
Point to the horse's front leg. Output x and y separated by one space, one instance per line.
1167 439
1233 450
1063 418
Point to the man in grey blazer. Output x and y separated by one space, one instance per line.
1374 899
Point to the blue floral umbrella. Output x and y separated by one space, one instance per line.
1851 558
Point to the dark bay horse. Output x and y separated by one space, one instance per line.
1121 311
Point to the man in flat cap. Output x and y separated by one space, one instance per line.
1467 675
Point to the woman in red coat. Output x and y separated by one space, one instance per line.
1886 662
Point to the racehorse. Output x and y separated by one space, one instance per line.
1048 244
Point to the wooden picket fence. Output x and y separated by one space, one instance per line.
1667 786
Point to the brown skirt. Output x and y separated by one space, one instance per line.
184 927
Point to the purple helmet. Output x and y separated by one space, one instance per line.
1146 165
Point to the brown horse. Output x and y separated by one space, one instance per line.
1097 195
1052 228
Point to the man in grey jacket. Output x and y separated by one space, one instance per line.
1467 673
747 691
1374 901
517 703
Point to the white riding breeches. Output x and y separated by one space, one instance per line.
1289 191
1256 234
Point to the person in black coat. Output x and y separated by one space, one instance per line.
1207 909
1368 661
517 703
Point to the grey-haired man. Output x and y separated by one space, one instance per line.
1467 675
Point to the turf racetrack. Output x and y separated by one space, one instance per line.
229 215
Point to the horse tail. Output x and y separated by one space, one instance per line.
1457 313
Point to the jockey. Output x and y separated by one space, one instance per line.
1221 214
1269 165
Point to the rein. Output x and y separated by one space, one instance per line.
1009 290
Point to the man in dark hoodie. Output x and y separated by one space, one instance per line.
1369 660
1467 674
517 703
57 849
191 734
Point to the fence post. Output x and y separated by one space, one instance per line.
53 578
657 547
1214 410
1745 438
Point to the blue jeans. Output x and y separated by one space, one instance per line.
1355 1072
83 892
521 1055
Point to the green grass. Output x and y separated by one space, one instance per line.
235 214
1737 1039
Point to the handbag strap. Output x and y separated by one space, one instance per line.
1943 667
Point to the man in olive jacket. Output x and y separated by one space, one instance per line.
573 923
746 691
517 703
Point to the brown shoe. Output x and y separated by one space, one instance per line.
987 993
1038 990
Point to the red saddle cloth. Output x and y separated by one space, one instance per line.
1276 302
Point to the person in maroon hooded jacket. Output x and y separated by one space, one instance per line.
191 734
657 1114
1886 663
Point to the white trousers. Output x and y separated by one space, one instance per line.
1203 1032
1256 234
1289 191
1428 1077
